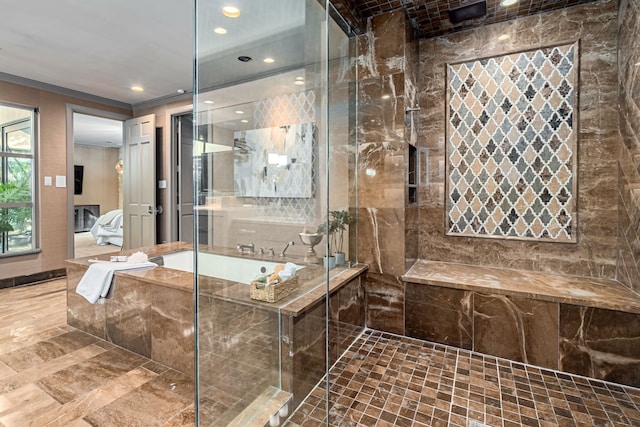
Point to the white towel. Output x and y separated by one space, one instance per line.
97 280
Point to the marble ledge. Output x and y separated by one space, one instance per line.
302 304
575 290
311 290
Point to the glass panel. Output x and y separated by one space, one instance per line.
19 140
17 223
17 170
262 145
18 182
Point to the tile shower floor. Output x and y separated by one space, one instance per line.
52 374
386 380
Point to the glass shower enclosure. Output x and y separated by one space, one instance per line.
275 193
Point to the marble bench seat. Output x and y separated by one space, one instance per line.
581 325
586 291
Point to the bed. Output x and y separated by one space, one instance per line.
108 228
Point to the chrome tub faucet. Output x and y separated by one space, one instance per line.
250 248
285 248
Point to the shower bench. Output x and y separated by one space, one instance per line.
582 325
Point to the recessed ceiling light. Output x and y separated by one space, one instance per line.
220 30
208 102
244 121
231 11
180 91
299 78
506 3
269 60
137 89
504 37
239 112
299 82
244 58
386 96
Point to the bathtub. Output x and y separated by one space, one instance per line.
242 270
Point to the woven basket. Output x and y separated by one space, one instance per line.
272 293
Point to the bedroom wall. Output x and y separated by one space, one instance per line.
53 161
100 181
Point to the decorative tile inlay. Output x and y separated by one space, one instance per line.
282 110
511 141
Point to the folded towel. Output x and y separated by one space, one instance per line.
96 282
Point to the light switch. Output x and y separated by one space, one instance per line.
61 181
47 181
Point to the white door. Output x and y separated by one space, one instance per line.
139 192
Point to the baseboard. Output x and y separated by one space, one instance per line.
32 279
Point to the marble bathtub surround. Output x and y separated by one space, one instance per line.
304 337
152 312
511 139
580 325
593 26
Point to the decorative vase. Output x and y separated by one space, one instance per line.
311 239
339 257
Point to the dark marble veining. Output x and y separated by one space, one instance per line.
518 329
581 325
241 355
594 254
587 291
440 315
628 195
128 315
600 344
387 68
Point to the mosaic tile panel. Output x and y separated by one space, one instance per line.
293 108
511 143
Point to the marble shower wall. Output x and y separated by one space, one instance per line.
594 254
629 153
385 88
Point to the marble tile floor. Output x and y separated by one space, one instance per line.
54 375
387 380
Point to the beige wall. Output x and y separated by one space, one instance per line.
52 162
629 158
100 180
594 254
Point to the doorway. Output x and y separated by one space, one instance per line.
182 125
97 184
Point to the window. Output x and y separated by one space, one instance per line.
17 178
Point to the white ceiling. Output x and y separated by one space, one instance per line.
100 47
97 131
103 48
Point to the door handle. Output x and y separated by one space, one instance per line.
157 211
